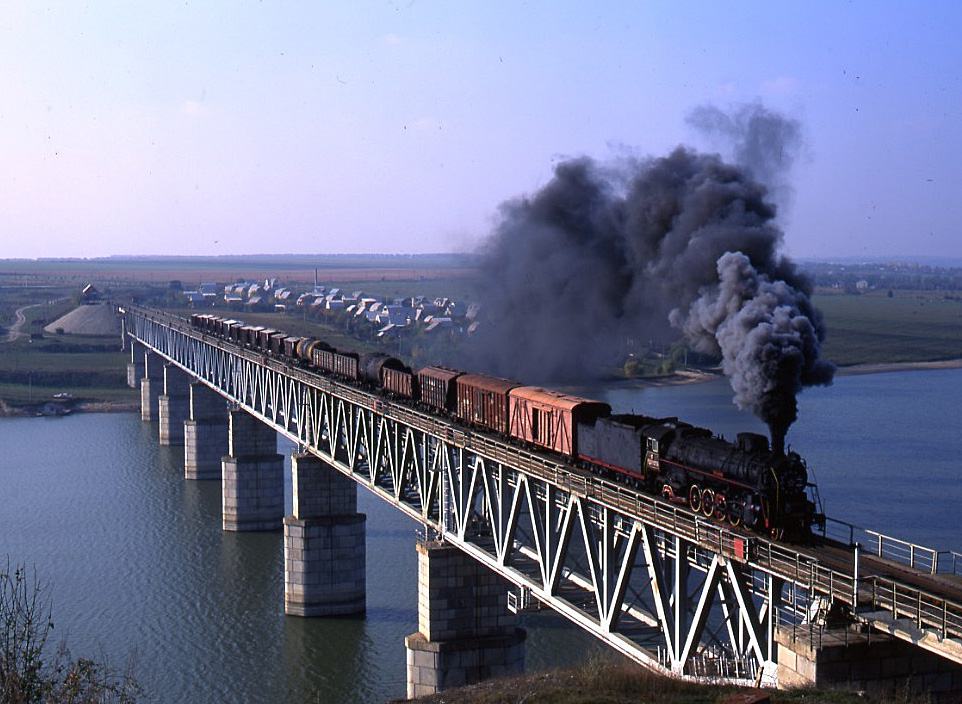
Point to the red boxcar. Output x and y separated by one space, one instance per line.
548 418
483 400
437 387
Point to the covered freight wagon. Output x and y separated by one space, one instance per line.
437 387
548 418
483 400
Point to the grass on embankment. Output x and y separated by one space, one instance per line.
596 683
909 327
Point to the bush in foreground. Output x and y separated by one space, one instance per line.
30 670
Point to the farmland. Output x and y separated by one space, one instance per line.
869 328
908 327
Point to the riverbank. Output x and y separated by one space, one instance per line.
679 378
51 409
698 376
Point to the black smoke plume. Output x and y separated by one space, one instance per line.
640 250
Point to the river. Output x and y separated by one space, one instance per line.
138 567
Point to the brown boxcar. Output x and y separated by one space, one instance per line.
264 338
249 334
399 382
548 418
437 387
232 330
483 400
276 342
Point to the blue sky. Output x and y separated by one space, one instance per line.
294 126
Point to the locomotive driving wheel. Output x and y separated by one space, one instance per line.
694 498
721 507
707 502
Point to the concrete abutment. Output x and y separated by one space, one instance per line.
466 633
324 543
851 658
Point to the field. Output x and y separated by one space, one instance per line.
339 270
908 327
868 329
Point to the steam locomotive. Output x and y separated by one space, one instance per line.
745 483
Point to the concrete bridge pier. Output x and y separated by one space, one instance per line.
206 433
173 406
324 543
151 385
135 368
465 632
252 483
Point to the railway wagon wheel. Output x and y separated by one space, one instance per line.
694 498
707 502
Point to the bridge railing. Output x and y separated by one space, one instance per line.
919 557
922 609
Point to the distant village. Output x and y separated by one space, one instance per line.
383 318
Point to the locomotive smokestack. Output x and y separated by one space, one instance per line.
778 438
609 252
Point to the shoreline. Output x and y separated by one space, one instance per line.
681 378
886 367
690 376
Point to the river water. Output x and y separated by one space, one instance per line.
137 565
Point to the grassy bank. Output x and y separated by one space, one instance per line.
908 327
596 683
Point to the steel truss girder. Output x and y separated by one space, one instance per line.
655 595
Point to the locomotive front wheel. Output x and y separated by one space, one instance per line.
694 498
735 515
708 502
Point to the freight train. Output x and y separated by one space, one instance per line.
745 483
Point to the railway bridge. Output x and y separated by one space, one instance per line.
667 587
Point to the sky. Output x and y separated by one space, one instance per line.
291 126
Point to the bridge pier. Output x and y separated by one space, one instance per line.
847 657
324 543
135 368
465 632
173 406
206 433
151 385
252 483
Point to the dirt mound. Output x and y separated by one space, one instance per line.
96 319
